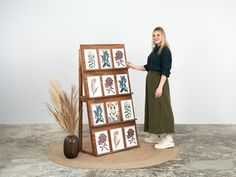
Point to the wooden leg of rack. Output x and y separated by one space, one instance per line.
80 131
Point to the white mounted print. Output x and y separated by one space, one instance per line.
102 142
98 114
94 85
130 136
91 59
109 85
123 83
127 110
113 112
105 58
119 58
117 139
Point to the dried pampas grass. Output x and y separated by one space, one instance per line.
64 108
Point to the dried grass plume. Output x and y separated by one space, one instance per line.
64 108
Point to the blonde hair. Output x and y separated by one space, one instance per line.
164 41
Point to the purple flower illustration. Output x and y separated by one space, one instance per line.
130 136
119 58
109 85
102 141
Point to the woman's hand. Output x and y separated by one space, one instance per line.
133 66
158 92
130 64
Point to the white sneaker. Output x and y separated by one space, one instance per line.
153 138
166 142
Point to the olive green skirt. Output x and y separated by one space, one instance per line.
159 117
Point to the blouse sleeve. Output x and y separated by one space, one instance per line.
166 61
146 67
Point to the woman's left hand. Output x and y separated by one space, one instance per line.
158 92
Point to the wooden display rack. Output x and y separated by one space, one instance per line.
104 76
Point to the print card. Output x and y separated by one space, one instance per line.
130 136
117 139
113 112
123 83
98 114
91 59
102 142
94 85
119 58
105 59
127 109
109 85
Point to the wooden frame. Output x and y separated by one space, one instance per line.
104 76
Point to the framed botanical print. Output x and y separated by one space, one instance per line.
98 114
130 136
102 142
91 59
117 139
113 112
119 58
94 86
109 85
105 59
127 109
123 83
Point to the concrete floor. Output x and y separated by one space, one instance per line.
205 150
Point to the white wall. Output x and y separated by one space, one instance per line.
39 41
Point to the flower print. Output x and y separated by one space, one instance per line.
91 60
102 141
116 138
130 136
113 112
127 110
122 84
94 88
109 85
119 58
98 114
105 57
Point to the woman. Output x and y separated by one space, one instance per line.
159 119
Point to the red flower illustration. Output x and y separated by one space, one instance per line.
119 55
130 133
119 58
130 136
102 138
102 141
108 84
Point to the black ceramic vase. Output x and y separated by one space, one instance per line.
71 146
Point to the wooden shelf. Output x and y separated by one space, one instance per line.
120 126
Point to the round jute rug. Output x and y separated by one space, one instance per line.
143 156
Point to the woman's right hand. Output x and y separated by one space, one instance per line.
130 64
133 66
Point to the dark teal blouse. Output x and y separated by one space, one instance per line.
159 62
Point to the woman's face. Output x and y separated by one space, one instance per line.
156 37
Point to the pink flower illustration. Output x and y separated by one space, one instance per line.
119 58
116 138
109 85
102 141
130 136
94 87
